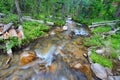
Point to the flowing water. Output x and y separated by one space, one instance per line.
58 57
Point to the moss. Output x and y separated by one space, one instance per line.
101 59
113 55
10 18
34 29
95 40
101 29
59 22
114 41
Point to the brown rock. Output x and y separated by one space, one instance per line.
58 29
20 32
6 35
85 68
12 32
1 29
27 57
52 67
78 66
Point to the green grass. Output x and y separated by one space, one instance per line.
101 59
58 21
34 29
10 18
114 40
101 29
113 55
95 40
12 42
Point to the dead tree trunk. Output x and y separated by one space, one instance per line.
63 10
18 10
38 6
118 10
80 8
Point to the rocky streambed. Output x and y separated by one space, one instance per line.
60 55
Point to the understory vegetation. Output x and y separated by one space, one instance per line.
33 29
110 42
101 59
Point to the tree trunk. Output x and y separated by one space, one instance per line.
118 10
24 5
18 10
80 8
38 6
63 10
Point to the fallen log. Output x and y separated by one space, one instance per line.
6 28
111 23
2 15
39 21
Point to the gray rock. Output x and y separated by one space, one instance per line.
50 23
119 58
99 71
113 77
109 71
100 50
117 77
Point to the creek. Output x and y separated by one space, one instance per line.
59 56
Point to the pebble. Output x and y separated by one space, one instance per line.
65 28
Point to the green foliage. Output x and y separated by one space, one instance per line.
95 40
101 59
34 29
11 42
10 18
113 55
5 5
114 40
59 22
39 16
101 29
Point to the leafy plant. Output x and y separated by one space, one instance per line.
113 55
34 29
11 42
102 29
95 40
101 59
10 18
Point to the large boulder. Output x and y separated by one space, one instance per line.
99 71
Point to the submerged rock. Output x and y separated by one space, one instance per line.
27 57
47 56
58 29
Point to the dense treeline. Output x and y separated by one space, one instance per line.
78 9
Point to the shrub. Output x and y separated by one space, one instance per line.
34 29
